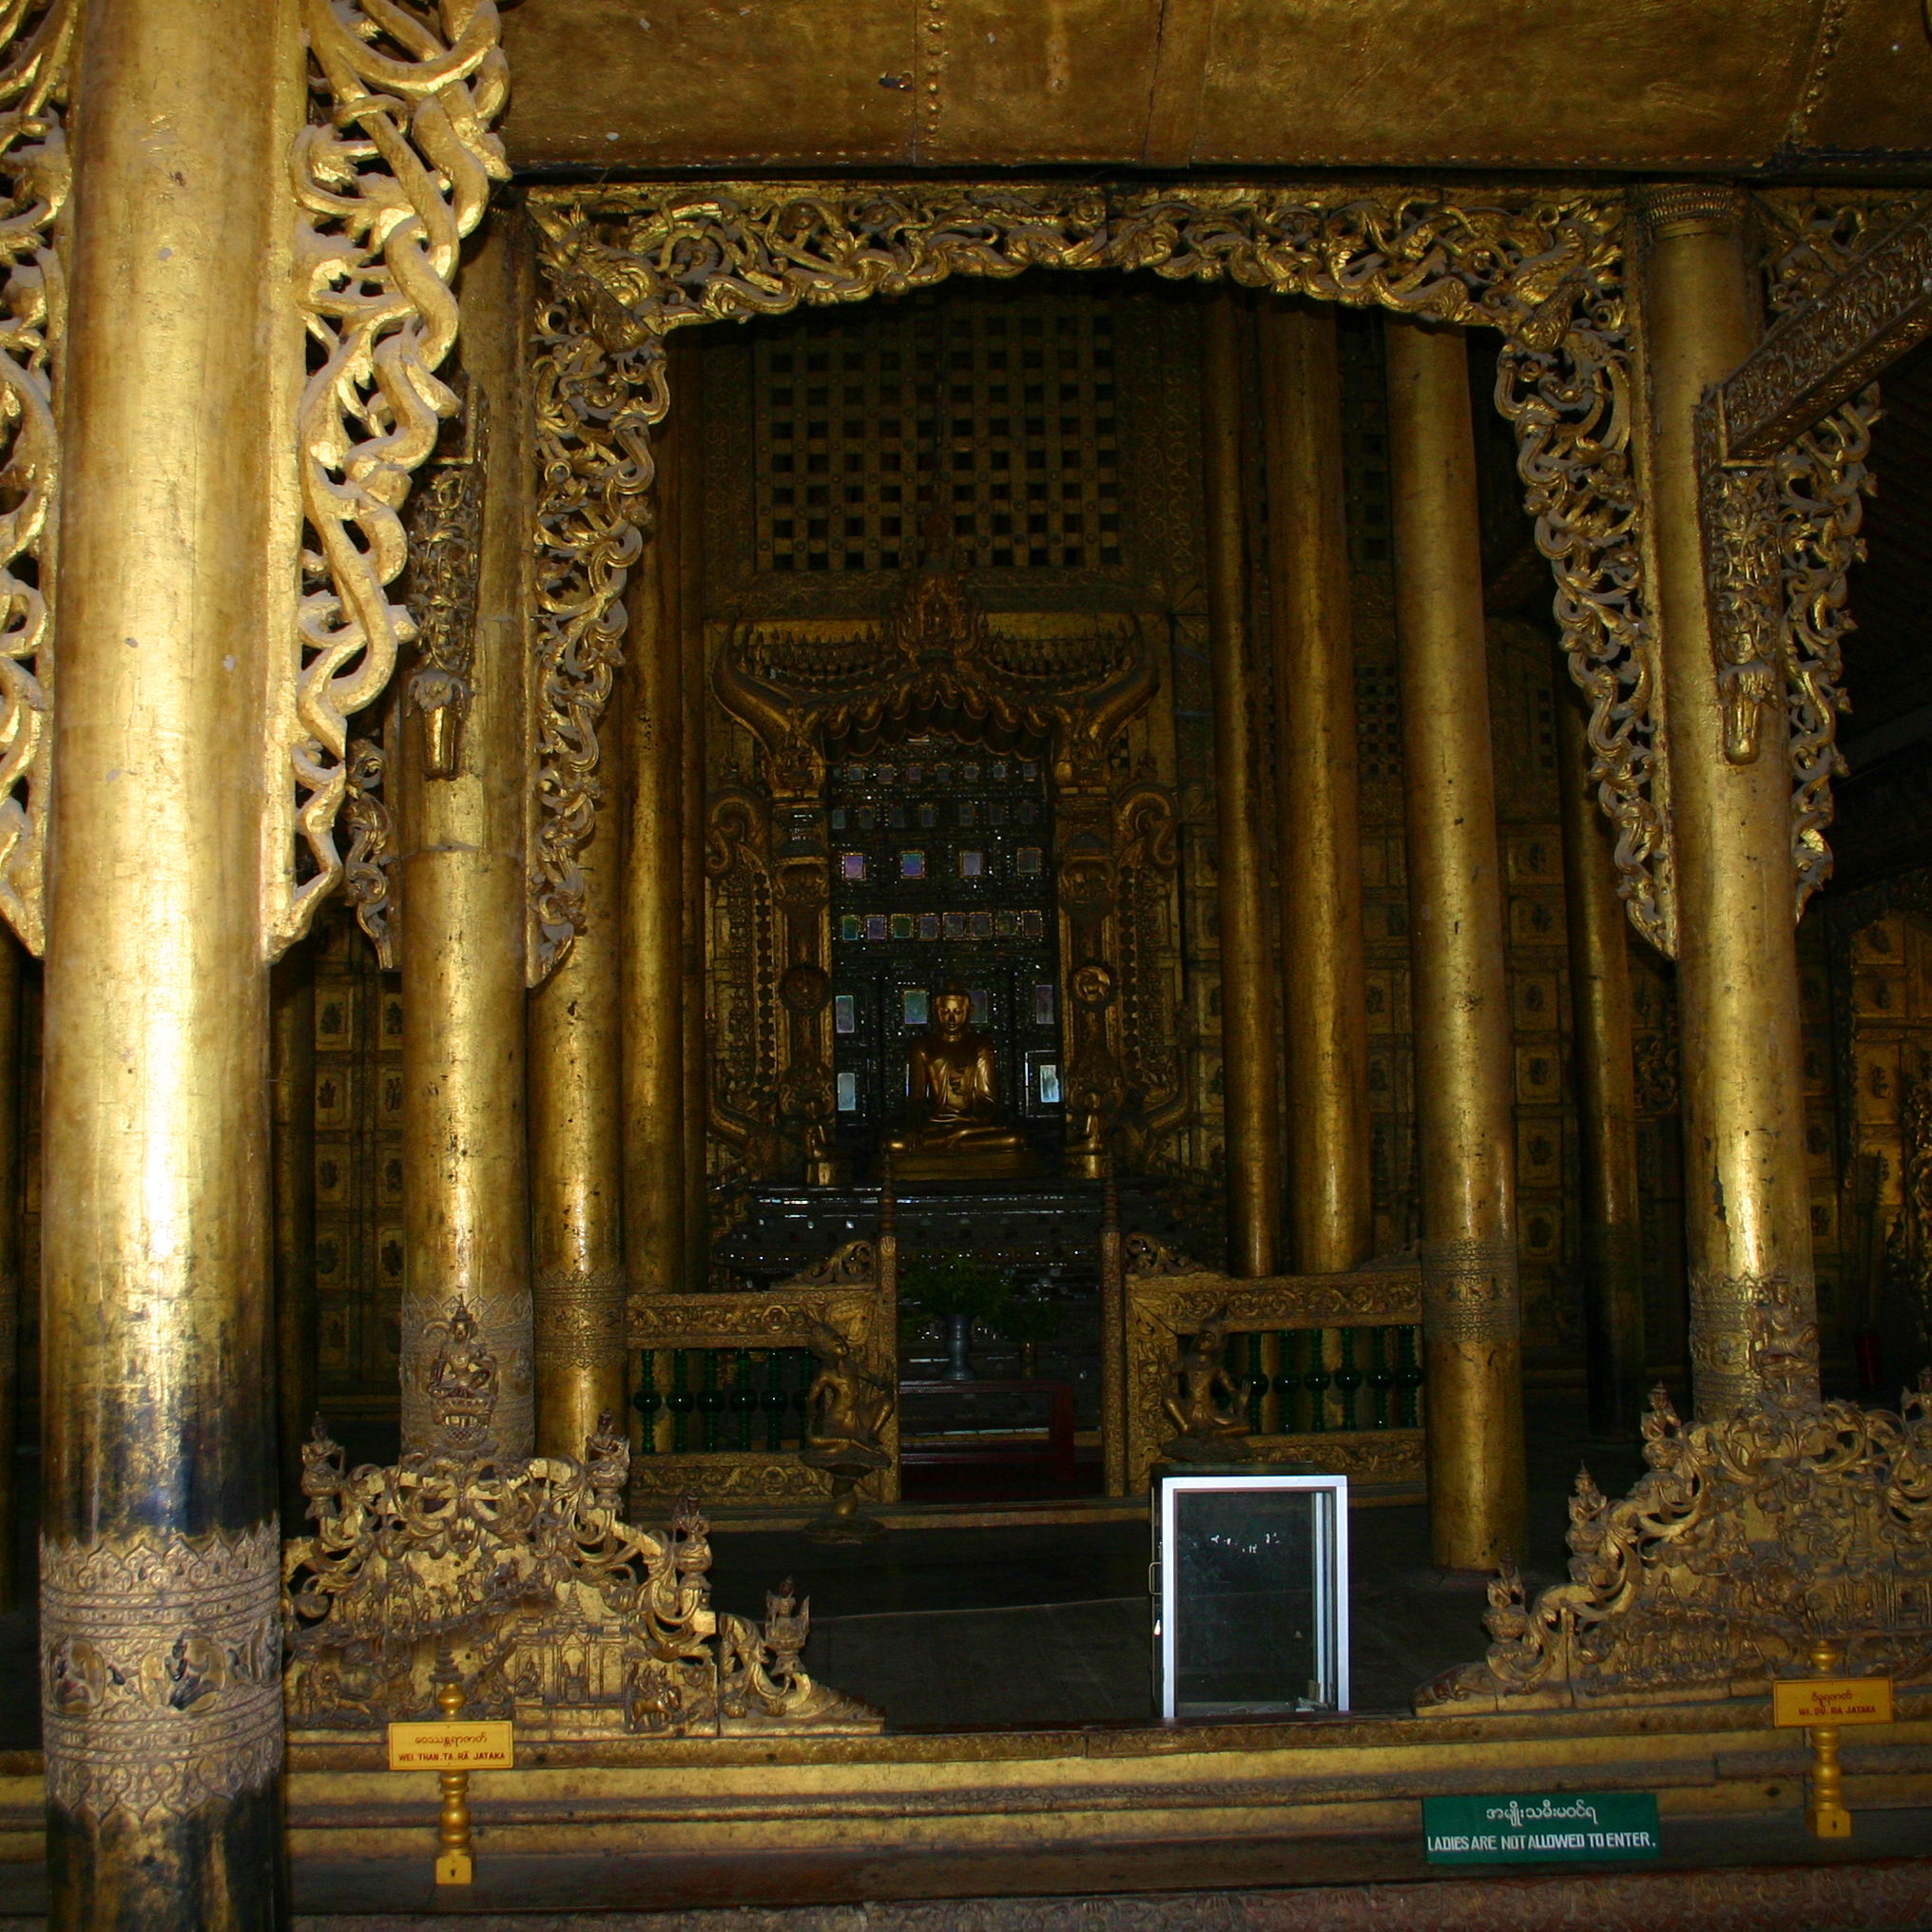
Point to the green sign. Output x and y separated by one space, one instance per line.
1563 1827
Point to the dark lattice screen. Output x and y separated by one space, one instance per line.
998 404
942 868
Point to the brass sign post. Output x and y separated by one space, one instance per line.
1839 1701
452 1750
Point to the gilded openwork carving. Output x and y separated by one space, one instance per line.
390 176
161 1671
593 408
34 178
1753 1535
627 264
1781 449
521 1581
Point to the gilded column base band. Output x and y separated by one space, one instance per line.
1726 1311
580 1317
161 1671
1470 1292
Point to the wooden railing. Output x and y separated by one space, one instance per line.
1333 1363
721 1379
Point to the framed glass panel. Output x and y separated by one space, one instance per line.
848 1093
1251 1586
914 1008
972 864
852 865
912 865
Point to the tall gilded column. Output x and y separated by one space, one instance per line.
292 1195
1325 1025
1747 1209
1249 1049
1606 1091
12 1207
466 1180
160 1554
576 1150
1472 1319
688 416
652 693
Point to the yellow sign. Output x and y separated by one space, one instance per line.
453 1744
1832 1700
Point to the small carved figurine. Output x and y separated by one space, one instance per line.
1211 1409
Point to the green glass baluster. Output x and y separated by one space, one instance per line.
1317 1383
1408 1376
744 1398
1349 1377
647 1402
681 1403
1379 1380
1289 1379
772 1399
710 1397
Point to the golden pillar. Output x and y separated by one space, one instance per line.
466 1184
1248 1069
292 1195
12 1207
1324 1026
1472 1315
1606 1090
1747 1213
651 690
689 492
576 1152
160 1556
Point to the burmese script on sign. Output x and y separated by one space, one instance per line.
1562 1827
1832 1700
451 1745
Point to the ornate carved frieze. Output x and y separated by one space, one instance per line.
627 264
391 174
579 1317
1753 1535
1727 1313
161 1671
1819 352
34 180
1470 1292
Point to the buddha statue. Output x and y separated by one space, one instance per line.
954 1130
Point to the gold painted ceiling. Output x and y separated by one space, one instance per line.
1730 85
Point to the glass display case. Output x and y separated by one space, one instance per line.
1250 1586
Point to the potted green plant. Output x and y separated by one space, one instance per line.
955 1290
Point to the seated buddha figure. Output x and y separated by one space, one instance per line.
954 1130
